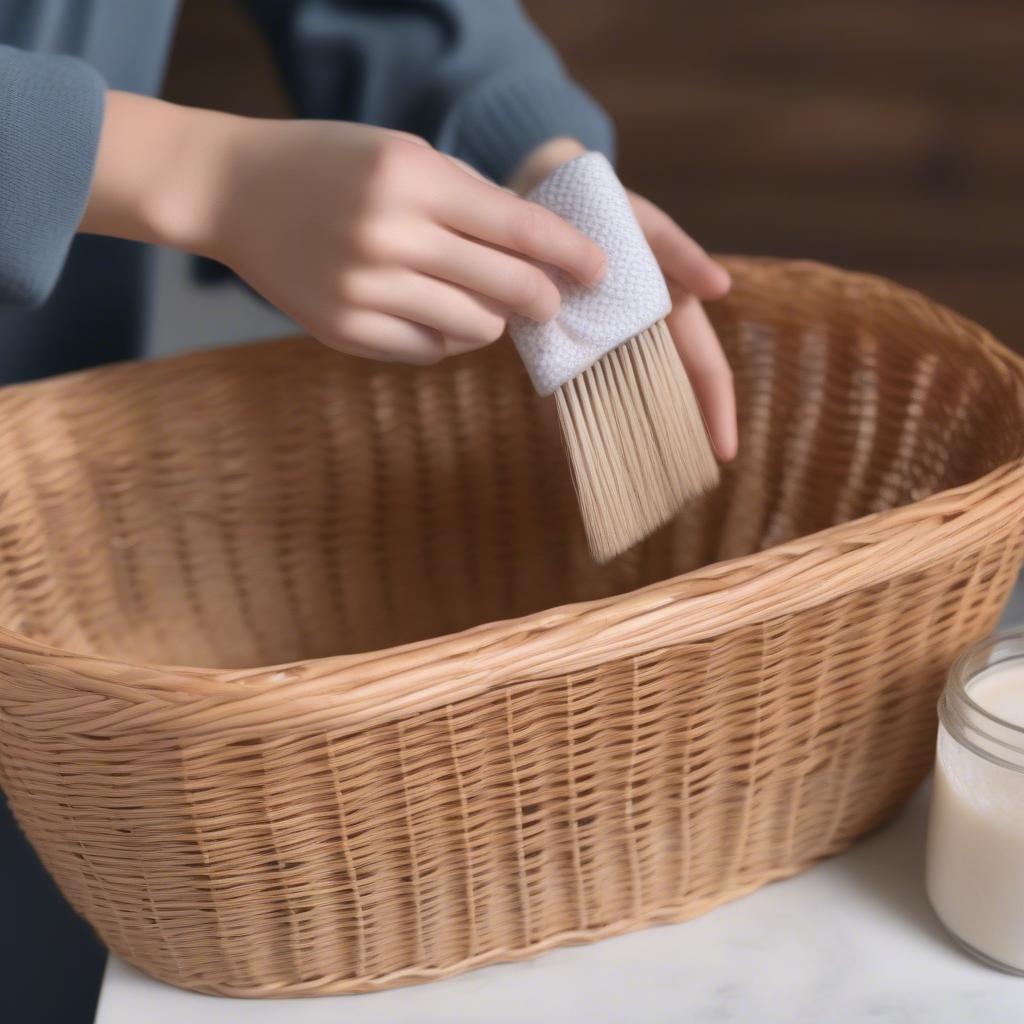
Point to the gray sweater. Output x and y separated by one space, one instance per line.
473 76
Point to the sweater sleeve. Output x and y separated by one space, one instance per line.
474 77
51 115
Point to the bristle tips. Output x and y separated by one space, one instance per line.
637 443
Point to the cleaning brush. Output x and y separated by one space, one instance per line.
637 444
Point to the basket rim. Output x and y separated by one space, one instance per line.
354 691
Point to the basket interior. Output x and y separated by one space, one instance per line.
279 502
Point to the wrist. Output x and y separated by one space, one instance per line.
540 162
184 205
160 173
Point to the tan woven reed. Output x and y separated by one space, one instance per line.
582 750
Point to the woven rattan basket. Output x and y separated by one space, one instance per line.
474 744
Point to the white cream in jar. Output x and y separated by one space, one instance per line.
975 872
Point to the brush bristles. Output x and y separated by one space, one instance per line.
637 443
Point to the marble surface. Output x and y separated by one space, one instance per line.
851 940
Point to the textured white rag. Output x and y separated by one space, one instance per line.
592 321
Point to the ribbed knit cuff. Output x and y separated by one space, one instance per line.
51 115
497 126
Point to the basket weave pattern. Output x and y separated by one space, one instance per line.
472 743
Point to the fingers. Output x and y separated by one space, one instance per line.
446 309
374 335
693 275
416 140
489 213
468 168
708 370
681 259
513 284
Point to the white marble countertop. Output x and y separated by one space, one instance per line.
851 940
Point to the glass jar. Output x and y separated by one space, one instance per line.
975 861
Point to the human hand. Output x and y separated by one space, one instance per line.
692 275
370 239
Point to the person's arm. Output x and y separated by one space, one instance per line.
473 77
51 114
372 240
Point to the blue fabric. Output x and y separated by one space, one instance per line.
51 111
51 965
475 77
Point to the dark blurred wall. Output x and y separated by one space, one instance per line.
884 135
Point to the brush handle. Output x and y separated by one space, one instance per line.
592 321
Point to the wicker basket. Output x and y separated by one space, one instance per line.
474 744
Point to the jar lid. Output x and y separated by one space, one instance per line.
973 722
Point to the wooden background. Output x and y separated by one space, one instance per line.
883 135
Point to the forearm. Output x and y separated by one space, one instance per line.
158 172
51 109
474 77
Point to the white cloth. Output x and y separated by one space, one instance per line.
592 321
